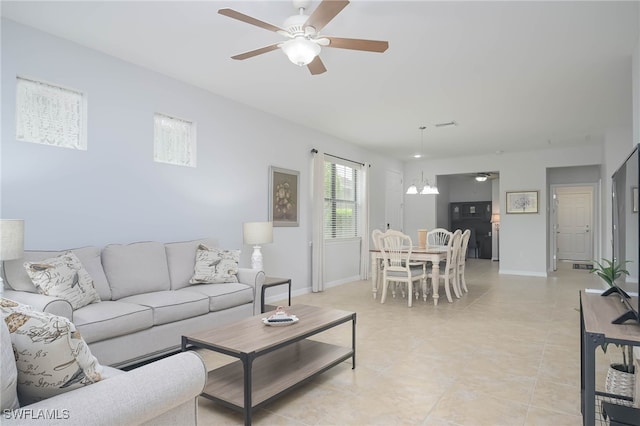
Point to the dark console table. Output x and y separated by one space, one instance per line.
475 216
596 314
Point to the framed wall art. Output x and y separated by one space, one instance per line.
284 195
519 202
634 199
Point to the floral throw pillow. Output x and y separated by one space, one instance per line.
214 265
63 277
51 356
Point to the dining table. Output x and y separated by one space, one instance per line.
431 254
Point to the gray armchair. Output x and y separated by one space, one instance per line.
164 392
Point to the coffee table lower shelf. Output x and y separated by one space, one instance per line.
274 373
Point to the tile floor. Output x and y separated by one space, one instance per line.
506 353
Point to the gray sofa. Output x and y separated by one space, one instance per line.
147 303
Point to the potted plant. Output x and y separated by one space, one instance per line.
620 376
609 270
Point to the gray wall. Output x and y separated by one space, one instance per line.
115 193
518 171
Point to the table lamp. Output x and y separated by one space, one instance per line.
257 233
495 219
11 242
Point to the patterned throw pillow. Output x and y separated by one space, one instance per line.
215 265
51 356
64 277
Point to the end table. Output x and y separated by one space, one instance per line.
273 282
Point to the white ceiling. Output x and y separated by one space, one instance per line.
514 75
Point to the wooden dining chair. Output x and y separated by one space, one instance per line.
448 273
462 260
438 237
396 252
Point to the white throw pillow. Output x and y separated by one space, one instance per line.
51 356
63 277
214 265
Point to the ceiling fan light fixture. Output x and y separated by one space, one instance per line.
481 178
300 51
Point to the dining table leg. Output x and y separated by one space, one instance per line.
435 281
374 274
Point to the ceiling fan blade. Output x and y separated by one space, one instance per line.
316 66
249 20
251 54
358 44
325 12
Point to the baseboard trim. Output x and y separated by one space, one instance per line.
522 273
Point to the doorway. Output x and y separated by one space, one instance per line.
572 220
394 200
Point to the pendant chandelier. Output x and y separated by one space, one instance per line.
423 184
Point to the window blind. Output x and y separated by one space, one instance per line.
50 114
341 199
174 141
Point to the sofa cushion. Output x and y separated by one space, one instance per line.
8 372
171 306
181 258
63 277
214 265
225 295
135 268
92 262
51 356
18 279
100 321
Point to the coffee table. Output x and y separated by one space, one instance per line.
271 360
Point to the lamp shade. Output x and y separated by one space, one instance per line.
495 218
300 51
256 233
11 239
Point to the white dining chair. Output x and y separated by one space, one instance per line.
462 260
396 250
448 273
438 237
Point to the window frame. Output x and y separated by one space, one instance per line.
161 154
23 134
333 232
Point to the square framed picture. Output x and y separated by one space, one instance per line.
519 202
284 195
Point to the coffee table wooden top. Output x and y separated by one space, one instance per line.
251 335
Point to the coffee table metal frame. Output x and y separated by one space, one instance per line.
285 357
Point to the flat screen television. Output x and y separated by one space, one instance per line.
626 233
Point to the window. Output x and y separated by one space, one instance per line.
174 141
341 200
50 115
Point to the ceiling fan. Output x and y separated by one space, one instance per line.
303 32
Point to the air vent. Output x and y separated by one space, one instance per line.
447 124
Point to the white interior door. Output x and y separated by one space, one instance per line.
393 200
574 229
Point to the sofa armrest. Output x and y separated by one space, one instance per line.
42 303
145 394
254 278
